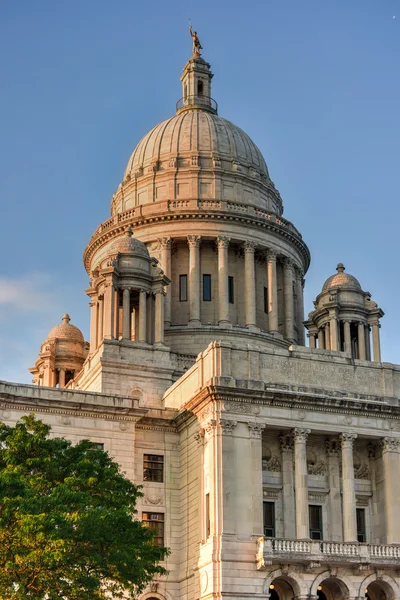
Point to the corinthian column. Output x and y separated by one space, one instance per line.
390 447
93 326
347 336
335 509
142 316
348 489
286 442
126 314
194 279
100 320
361 341
288 272
166 243
250 284
300 307
159 318
376 342
272 292
301 483
223 292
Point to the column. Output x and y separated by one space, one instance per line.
301 483
256 486
166 244
223 293
194 279
390 447
333 328
348 489
93 326
250 284
327 337
61 378
272 292
376 342
159 318
367 343
289 513
126 314
116 314
288 272
361 341
100 317
347 336
108 312
321 339
142 316
311 337
300 307
335 506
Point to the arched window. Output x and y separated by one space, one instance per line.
200 88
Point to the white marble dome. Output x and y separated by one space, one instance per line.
200 132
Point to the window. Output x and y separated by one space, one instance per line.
207 288
182 288
361 536
231 290
153 468
315 514
266 300
269 519
99 446
208 523
155 521
200 88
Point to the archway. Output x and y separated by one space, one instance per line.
379 588
327 587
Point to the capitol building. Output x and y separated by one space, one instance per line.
270 465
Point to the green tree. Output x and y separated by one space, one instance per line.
67 526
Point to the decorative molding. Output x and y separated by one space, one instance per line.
242 408
347 439
249 247
256 429
273 465
227 426
318 468
155 499
390 444
300 434
362 472
223 242
194 241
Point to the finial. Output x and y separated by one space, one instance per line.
66 319
196 46
340 268
129 231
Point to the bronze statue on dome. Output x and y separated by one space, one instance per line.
196 46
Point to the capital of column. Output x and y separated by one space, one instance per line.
271 255
227 426
249 247
347 439
299 274
194 240
165 242
332 447
223 241
300 435
390 444
286 442
256 429
288 264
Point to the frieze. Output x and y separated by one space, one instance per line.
242 408
152 499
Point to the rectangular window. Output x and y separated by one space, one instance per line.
182 288
99 446
207 288
315 514
266 300
269 519
231 290
361 536
208 523
155 521
153 468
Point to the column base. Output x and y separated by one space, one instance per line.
253 328
225 324
194 323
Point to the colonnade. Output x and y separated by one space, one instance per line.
293 280
338 450
336 334
126 313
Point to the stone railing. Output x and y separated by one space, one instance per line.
271 550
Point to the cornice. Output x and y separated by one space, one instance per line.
101 413
113 230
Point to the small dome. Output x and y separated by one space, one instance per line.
66 331
341 279
128 244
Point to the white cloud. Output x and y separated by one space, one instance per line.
31 292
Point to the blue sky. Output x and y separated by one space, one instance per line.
315 83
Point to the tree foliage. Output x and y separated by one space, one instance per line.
67 526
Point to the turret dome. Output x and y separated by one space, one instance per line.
341 279
66 331
129 244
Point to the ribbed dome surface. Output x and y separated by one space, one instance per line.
197 131
66 331
128 243
341 279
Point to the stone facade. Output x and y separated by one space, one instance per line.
270 469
